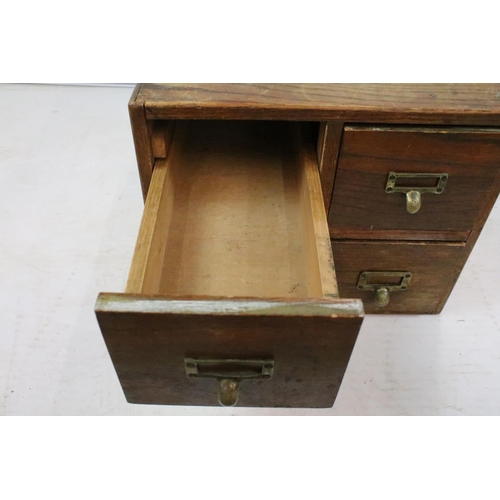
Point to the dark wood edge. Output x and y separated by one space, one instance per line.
397 235
141 134
409 116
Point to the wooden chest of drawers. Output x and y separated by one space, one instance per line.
276 214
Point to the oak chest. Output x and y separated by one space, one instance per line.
276 214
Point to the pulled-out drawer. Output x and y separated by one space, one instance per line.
232 293
398 277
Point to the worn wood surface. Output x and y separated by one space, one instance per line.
236 210
161 137
433 266
315 234
442 104
368 154
147 261
330 136
310 342
473 104
141 130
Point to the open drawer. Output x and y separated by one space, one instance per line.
232 295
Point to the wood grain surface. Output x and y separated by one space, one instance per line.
148 339
145 270
474 104
141 130
471 157
439 104
330 136
433 267
161 137
313 221
235 210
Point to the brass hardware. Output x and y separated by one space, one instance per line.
413 194
382 297
413 201
229 373
374 281
229 391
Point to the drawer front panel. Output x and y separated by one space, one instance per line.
154 342
460 165
431 269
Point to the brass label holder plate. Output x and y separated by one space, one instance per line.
229 368
373 280
393 177
229 373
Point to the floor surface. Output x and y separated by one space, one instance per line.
70 208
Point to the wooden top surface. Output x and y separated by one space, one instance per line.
474 104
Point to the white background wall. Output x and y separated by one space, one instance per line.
70 207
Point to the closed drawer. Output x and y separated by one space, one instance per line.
378 165
232 295
430 268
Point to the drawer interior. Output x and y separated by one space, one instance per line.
235 210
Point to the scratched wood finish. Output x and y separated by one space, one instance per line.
309 341
433 267
473 104
470 157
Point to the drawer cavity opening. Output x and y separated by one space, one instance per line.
235 209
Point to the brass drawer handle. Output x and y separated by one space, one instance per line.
376 281
229 373
414 194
